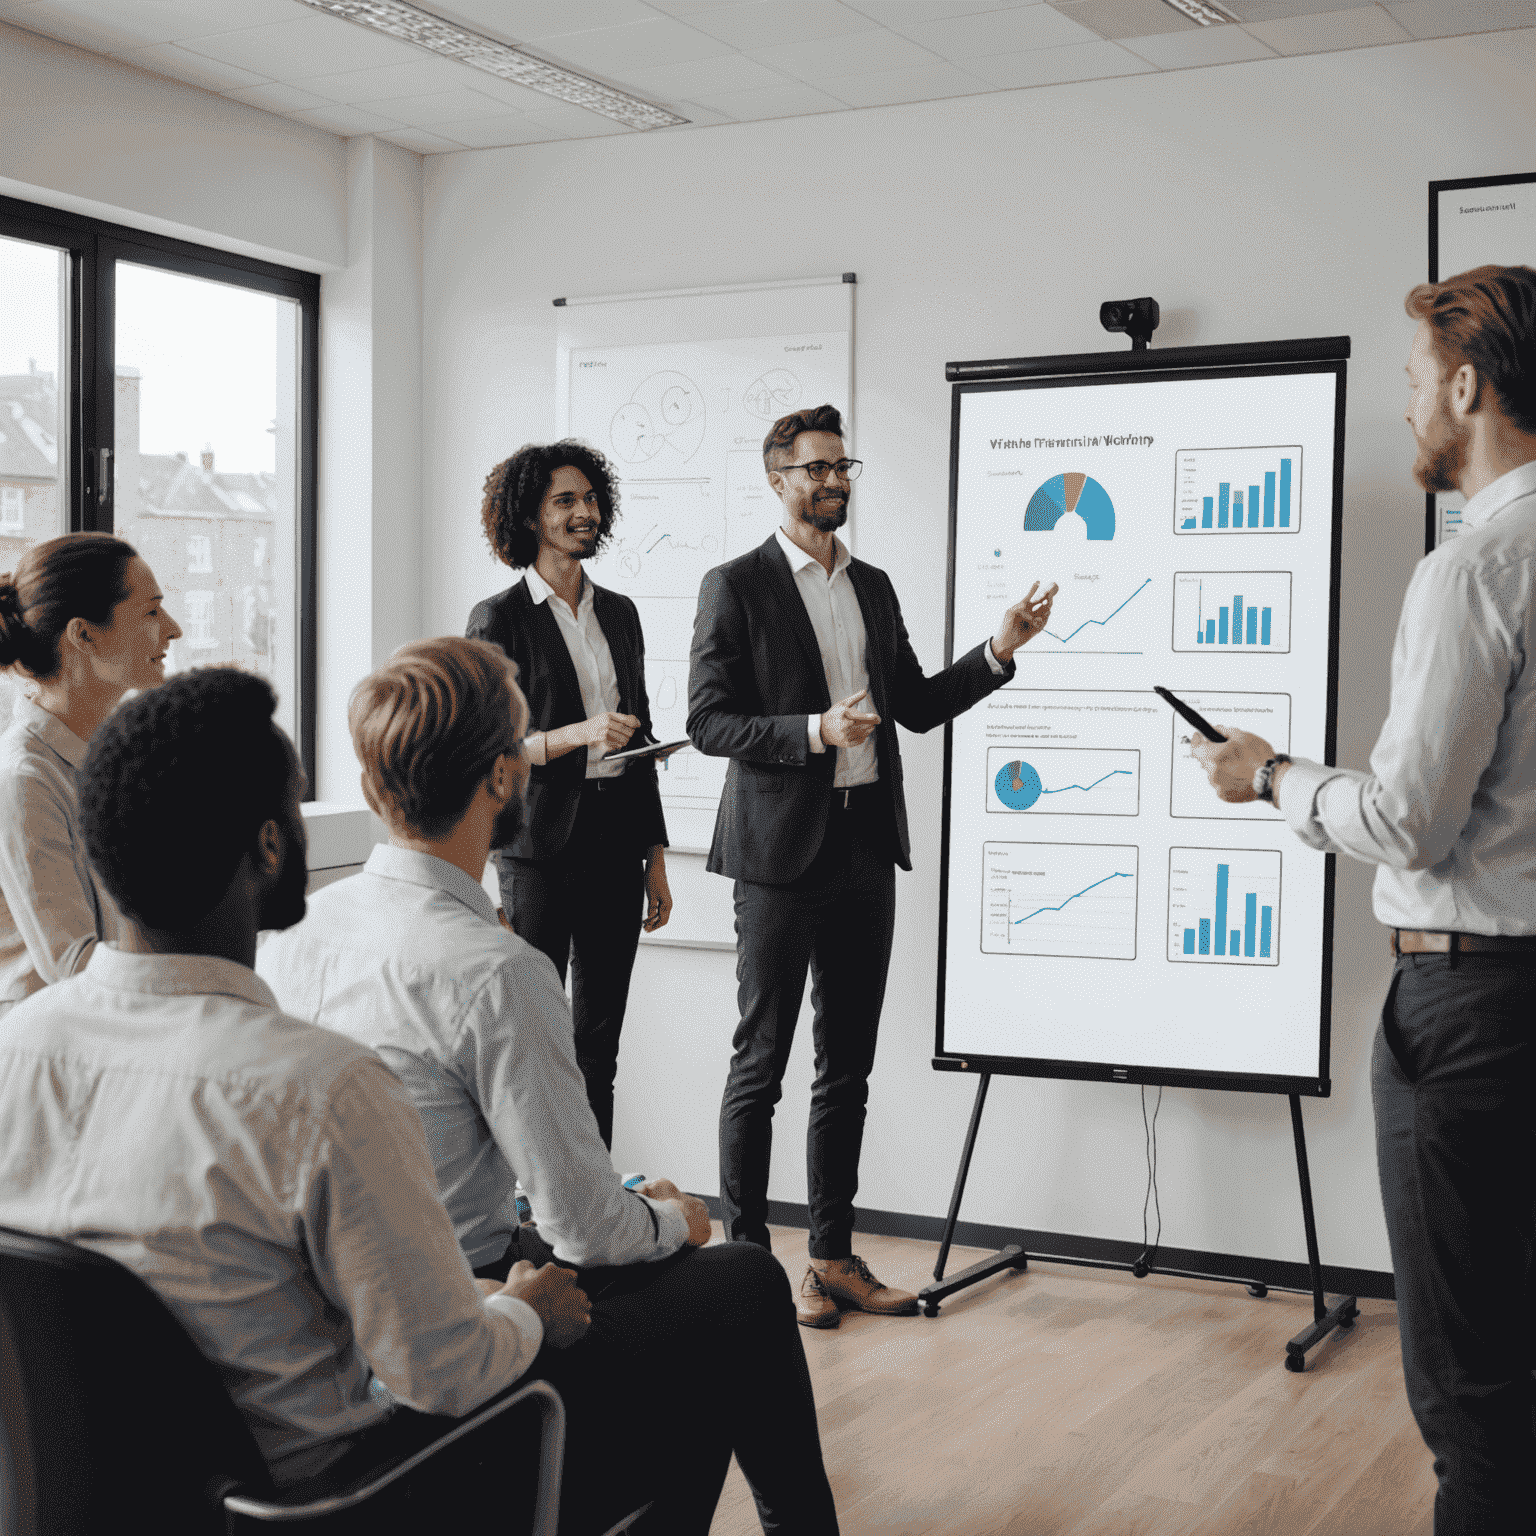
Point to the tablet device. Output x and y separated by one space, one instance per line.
650 749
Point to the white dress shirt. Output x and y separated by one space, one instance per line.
267 1179
52 911
408 958
1448 810
832 606
590 655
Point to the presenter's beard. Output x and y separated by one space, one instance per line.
822 517
1442 454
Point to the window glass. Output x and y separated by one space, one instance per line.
206 488
34 298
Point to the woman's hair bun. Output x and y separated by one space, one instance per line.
14 633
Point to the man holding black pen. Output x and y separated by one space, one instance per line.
589 857
1448 814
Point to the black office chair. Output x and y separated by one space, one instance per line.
110 1416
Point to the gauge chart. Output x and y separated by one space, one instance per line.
1074 900
1056 781
1076 497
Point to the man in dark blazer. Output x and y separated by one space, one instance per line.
790 641
589 856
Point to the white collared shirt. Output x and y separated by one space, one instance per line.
52 911
269 1181
590 655
1448 810
408 958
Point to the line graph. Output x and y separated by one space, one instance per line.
1072 900
1062 781
1112 650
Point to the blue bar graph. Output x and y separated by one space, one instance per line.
1248 608
1224 904
1255 489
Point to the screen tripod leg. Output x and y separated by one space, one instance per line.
1325 1319
1010 1257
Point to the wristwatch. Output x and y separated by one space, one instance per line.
1264 777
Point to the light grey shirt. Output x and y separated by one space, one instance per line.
590 655
52 911
268 1180
1448 810
408 958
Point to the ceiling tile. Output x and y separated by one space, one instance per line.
1450 18
688 8
729 72
1191 50
906 13
307 45
416 79
1363 27
613 49
278 98
1097 60
935 82
347 121
497 132
178 64
169 21
998 32
439 107
525 21
765 23
568 122
833 58
698 116
419 140
80 26
1128 18
1278 10
787 100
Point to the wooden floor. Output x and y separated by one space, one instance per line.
1084 1402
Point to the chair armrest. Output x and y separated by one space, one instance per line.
551 1460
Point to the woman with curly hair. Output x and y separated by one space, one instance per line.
82 619
583 869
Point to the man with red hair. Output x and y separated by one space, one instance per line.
1448 815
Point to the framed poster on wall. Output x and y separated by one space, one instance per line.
1472 222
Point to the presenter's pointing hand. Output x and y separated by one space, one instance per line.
844 725
1231 764
553 1293
1023 621
610 731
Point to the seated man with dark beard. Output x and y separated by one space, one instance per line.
408 958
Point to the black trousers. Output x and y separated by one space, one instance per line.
584 909
1454 1084
687 1361
836 922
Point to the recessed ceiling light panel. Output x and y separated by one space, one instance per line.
1206 14
411 24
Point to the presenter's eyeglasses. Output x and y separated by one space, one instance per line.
819 469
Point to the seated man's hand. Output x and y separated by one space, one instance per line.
553 1293
694 1209
1231 764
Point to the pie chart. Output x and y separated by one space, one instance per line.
1071 493
1017 785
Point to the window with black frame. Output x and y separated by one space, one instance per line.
167 392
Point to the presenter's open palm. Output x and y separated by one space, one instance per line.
1023 621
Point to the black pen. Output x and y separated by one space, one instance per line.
1196 719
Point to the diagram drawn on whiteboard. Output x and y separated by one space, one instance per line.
776 393
664 419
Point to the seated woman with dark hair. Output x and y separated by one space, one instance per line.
81 618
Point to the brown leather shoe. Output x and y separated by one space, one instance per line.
814 1308
849 1283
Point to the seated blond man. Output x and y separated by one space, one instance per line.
408 958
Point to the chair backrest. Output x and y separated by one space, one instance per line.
109 1414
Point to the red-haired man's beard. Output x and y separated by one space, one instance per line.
1442 456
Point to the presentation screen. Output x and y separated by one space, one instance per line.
1103 914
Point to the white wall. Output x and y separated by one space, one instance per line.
1257 201
96 136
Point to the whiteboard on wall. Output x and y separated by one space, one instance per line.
679 390
1102 914
1474 222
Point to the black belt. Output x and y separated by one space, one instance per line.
1415 941
852 799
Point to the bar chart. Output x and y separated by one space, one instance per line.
1214 610
1074 900
1237 490
1224 906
